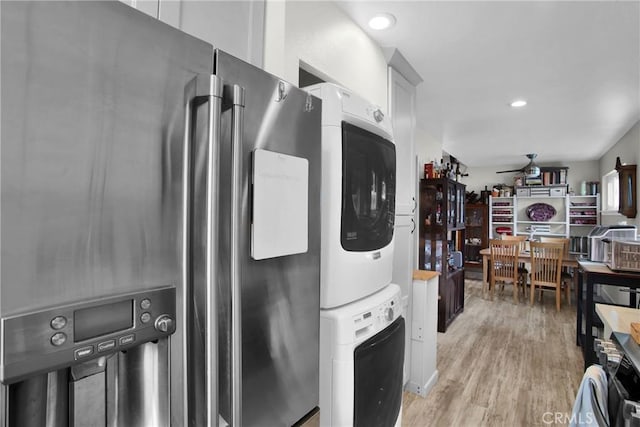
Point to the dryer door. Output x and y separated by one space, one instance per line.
368 190
378 366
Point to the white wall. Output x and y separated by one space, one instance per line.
628 149
578 172
322 37
428 149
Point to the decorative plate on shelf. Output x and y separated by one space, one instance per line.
540 212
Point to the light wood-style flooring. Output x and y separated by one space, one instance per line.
502 364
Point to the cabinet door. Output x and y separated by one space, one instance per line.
458 297
476 232
445 303
404 258
451 299
236 27
460 194
404 262
150 7
402 109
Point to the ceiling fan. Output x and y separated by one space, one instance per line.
531 170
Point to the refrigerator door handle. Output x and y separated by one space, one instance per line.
237 129
203 88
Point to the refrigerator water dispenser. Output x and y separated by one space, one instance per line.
98 363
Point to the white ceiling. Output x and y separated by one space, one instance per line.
577 63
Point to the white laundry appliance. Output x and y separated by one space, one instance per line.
358 196
361 361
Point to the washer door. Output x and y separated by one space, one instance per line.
378 377
368 190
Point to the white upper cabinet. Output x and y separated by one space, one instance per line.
402 96
237 27
150 7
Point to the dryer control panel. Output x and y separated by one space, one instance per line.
369 322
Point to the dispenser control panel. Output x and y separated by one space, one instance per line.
57 337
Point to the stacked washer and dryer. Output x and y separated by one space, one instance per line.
362 331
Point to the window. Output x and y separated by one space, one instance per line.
610 192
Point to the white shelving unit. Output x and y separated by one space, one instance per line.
575 217
584 211
584 214
557 226
502 214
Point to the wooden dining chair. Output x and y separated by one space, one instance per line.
523 273
546 269
566 277
504 265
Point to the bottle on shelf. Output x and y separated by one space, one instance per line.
437 168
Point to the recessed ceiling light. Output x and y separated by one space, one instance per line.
382 21
518 103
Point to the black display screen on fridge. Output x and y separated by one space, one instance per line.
103 319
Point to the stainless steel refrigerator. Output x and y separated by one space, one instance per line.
138 161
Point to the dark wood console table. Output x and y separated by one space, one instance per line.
590 275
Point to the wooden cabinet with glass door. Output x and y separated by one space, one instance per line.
442 243
477 233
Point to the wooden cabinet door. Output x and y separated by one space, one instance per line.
477 232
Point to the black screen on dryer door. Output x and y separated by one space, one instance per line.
368 189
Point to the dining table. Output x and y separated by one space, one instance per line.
525 256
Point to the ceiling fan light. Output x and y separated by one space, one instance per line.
532 171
